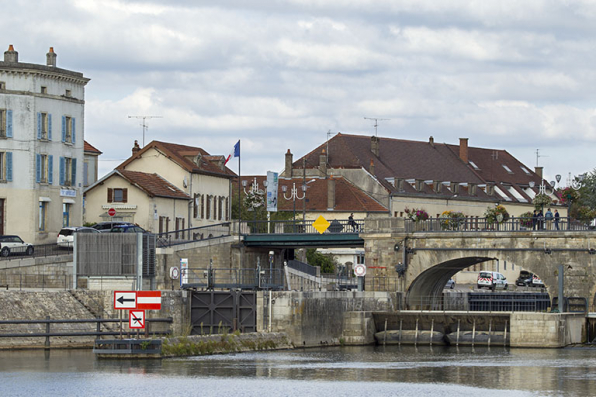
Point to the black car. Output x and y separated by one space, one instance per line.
107 226
127 229
524 279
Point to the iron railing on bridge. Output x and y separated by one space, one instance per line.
477 224
193 234
300 227
481 302
213 278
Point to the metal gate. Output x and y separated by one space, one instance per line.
215 312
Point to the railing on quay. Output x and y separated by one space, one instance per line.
213 278
299 227
38 281
477 224
303 267
193 234
40 250
481 302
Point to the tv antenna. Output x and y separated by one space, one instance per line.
538 155
144 124
376 122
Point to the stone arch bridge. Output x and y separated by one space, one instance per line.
428 259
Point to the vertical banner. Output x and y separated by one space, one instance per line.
183 271
272 183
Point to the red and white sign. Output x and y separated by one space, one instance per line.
149 300
111 212
142 300
136 319
360 270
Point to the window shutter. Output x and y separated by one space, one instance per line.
73 130
49 127
73 182
125 195
110 195
9 123
9 166
38 168
50 169
38 125
195 207
62 170
63 128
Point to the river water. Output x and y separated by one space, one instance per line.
335 371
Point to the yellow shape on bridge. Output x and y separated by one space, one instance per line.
321 224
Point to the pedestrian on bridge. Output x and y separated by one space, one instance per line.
557 216
549 219
352 223
540 220
534 219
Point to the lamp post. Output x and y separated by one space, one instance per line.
293 196
256 194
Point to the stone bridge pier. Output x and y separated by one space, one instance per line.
427 260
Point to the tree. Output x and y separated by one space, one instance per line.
326 262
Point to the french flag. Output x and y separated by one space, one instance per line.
234 153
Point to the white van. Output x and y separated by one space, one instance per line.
492 280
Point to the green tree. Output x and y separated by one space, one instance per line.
587 191
326 262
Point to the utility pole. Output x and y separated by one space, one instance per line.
376 122
144 124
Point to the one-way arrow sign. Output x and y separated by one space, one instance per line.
125 300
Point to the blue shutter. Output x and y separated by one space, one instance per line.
63 128
38 125
9 166
62 169
38 168
50 169
49 127
9 123
74 172
73 130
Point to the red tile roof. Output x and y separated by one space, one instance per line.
152 184
90 148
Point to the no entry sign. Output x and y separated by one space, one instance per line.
111 212
360 270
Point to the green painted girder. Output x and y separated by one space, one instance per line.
304 240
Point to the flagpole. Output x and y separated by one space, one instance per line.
239 196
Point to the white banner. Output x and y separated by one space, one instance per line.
272 183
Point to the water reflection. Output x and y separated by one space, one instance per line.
354 370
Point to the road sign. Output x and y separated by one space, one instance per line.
124 300
183 271
149 300
174 273
136 319
360 270
111 212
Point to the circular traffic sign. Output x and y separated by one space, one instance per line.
360 270
111 212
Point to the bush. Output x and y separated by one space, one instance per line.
525 219
497 214
416 215
452 220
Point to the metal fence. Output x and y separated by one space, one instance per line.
210 278
303 268
300 227
40 250
193 234
477 224
42 281
481 302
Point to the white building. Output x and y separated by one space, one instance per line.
41 148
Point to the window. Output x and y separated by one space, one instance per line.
179 226
43 213
474 165
195 206
44 90
507 169
2 85
68 129
360 259
5 166
5 123
117 195
164 223
66 214
68 171
525 170
44 126
43 160
208 214
68 93
202 206
44 168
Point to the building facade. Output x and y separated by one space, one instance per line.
41 148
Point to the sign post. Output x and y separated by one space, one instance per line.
183 271
360 271
111 212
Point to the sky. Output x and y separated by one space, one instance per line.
279 75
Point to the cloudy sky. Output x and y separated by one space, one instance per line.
278 75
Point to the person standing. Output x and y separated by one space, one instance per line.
549 219
540 220
557 216
534 219
352 223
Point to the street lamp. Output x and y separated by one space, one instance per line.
256 198
293 196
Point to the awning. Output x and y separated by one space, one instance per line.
68 201
45 199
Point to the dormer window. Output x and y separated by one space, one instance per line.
474 165
524 169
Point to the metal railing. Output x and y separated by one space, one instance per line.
481 302
300 227
43 281
303 267
477 224
210 278
40 250
193 234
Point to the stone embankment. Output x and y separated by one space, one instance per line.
197 345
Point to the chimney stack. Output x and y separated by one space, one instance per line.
372 167
51 57
330 194
431 140
323 163
374 145
538 171
463 149
11 55
135 148
288 170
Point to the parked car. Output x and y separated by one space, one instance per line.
450 284
127 229
534 281
66 235
107 226
492 280
10 245
524 275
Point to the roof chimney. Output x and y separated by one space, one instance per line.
323 162
330 194
11 55
538 171
431 140
463 149
288 170
372 167
51 57
135 148
374 145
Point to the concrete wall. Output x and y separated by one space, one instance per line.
317 318
547 329
48 272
